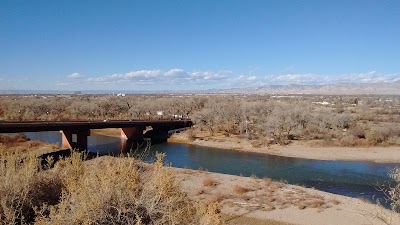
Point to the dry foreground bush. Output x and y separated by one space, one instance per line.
113 191
264 120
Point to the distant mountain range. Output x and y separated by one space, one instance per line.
328 89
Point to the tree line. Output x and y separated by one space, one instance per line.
262 119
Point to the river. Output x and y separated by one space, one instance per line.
353 179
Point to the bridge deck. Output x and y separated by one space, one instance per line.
36 126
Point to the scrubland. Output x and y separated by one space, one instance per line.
104 190
127 191
264 120
113 191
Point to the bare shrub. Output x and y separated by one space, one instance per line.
122 196
209 182
212 215
343 121
24 187
393 141
10 140
358 132
240 190
376 137
392 194
284 119
347 141
384 136
110 191
394 191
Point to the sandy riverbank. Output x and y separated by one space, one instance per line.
373 154
282 202
257 201
268 200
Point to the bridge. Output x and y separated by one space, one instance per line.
130 129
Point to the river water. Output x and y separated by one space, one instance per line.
353 179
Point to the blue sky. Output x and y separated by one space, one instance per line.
192 45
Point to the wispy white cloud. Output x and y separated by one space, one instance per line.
74 76
177 73
179 78
174 76
134 76
209 75
60 83
297 79
245 78
367 77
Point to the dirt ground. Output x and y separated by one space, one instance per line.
270 202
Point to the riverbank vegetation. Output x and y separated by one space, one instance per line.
121 190
105 190
264 120
20 144
114 191
111 190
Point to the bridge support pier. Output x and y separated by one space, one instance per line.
157 135
131 138
81 139
132 132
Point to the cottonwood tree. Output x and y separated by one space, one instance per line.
206 118
284 119
137 109
231 116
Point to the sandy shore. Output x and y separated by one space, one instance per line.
373 154
265 199
291 204
254 201
257 201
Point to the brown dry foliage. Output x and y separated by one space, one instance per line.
11 140
262 120
209 182
111 191
240 190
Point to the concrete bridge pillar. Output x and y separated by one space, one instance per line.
81 139
132 132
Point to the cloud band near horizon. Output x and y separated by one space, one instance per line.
226 79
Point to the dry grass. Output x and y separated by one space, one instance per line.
104 191
241 220
267 195
24 187
209 182
12 140
240 190
19 143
